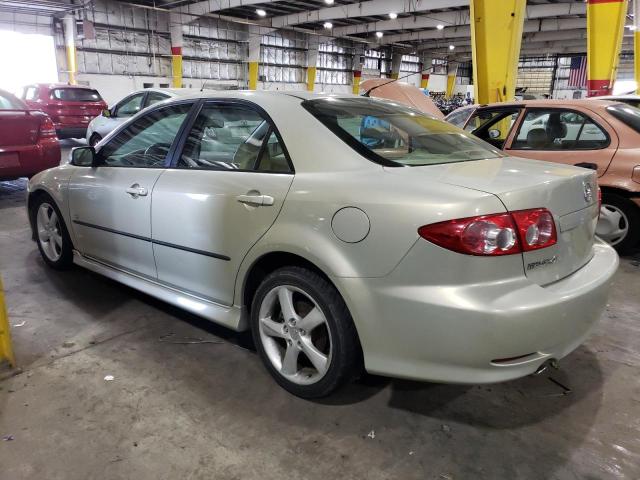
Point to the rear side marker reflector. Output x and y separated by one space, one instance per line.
495 234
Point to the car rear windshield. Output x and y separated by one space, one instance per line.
627 114
395 135
76 94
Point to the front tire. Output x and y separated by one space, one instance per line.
619 223
52 236
304 333
95 138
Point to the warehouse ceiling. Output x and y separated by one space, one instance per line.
551 26
436 26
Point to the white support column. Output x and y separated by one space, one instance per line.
69 23
396 62
427 62
358 64
312 61
254 56
175 32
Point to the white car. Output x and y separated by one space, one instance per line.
113 117
343 231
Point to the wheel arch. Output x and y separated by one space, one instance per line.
269 262
38 192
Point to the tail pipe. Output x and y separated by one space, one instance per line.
551 363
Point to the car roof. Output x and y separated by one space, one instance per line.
262 94
60 85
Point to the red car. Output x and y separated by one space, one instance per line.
28 142
71 107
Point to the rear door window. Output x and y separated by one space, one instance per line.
130 106
155 97
459 117
493 126
559 129
30 93
76 94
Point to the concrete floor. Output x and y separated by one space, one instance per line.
210 410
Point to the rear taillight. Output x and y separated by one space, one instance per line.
599 200
47 129
495 234
536 228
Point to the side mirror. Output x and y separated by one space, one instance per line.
106 113
493 133
83 156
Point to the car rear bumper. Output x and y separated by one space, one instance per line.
71 132
455 333
27 160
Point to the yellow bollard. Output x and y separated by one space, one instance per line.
6 351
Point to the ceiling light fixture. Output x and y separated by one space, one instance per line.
328 25
328 2
393 15
379 34
440 26
261 12
452 47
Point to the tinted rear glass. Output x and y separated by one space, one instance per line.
395 135
627 114
76 94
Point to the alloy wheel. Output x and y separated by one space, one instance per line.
295 335
49 233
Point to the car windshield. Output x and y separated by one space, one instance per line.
76 95
395 135
627 114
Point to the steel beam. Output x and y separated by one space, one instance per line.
365 9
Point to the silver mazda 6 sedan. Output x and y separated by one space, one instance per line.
345 232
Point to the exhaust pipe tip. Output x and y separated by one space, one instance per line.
551 363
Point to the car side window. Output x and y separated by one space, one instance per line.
130 106
558 129
30 93
154 97
146 142
459 117
493 126
232 137
8 103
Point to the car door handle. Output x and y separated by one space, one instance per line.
256 200
136 191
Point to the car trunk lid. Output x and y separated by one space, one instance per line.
569 193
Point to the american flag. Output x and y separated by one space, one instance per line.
578 72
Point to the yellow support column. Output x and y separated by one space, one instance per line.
254 58
452 72
176 67
6 350
636 43
496 35
424 81
357 75
311 78
313 47
605 26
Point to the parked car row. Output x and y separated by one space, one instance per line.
30 126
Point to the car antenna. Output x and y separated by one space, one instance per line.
366 94
204 84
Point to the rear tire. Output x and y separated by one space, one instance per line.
304 333
51 233
619 223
